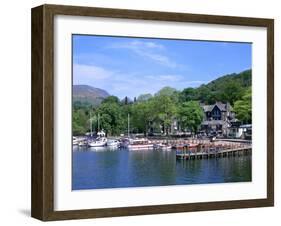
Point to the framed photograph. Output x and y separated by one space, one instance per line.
141 112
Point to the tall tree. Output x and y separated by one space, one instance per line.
243 107
111 99
144 97
142 116
164 110
188 94
231 92
79 122
190 115
111 119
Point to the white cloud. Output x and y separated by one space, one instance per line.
148 50
82 72
123 84
142 44
167 78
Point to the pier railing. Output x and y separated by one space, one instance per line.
213 150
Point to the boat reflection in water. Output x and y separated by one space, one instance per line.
113 167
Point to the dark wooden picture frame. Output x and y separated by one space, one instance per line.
42 203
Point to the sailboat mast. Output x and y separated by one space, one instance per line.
91 124
128 125
98 122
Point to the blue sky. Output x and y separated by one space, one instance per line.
134 66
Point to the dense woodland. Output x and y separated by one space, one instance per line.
155 113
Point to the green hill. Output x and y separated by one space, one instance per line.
227 88
244 79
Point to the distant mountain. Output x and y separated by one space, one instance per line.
88 94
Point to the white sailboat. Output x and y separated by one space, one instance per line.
137 144
99 142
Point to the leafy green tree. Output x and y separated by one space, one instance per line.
111 99
231 92
188 94
164 110
142 116
160 110
167 91
228 88
79 122
243 107
203 93
111 119
190 115
144 97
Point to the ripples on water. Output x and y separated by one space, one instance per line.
110 168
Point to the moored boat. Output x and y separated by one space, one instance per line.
74 141
139 144
83 143
99 142
113 143
162 147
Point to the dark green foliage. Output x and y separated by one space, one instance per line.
158 112
80 122
141 116
228 88
164 109
83 105
111 99
111 118
243 107
188 94
144 97
190 115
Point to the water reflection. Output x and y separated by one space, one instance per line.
114 168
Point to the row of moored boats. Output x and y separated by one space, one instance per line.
129 143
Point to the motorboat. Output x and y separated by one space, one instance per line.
139 144
162 147
113 143
75 141
83 143
99 142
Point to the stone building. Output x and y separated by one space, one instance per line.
217 118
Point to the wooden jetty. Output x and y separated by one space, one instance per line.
215 152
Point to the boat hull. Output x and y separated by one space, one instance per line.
140 147
163 147
97 145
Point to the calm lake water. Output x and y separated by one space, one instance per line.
105 168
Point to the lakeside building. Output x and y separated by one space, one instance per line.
240 131
217 118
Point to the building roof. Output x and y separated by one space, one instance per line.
207 107
220 105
